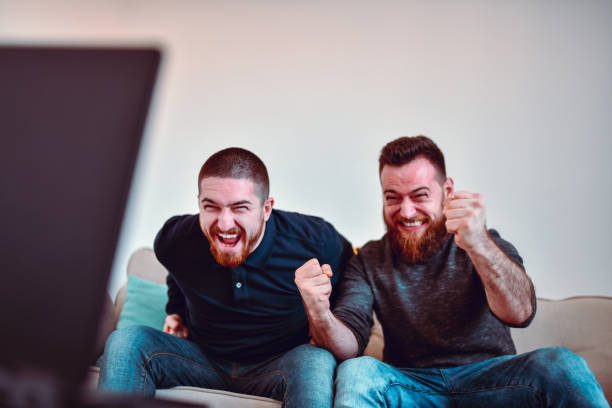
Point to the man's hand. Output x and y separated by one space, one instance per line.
465 217
174 326
508 289
314 284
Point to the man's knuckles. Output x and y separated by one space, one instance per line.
308 269
313 287
312 262
308 280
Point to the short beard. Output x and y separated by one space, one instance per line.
231 260
411 249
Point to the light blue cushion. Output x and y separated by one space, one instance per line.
145 304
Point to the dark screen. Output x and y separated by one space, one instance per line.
71 121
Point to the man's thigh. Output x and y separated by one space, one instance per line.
140 359
544 377
368 382
300 377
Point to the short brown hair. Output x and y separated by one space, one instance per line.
405 149
238 163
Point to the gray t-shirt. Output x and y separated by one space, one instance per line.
433 314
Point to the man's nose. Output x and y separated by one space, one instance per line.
226 220
407 209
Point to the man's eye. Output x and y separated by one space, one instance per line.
421 196
391 199
209 207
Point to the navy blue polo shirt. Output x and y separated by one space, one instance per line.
254 311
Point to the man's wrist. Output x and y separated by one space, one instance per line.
321 319
481 246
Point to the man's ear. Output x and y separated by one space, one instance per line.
448 187
267 208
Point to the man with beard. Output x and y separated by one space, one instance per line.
235 320
446 290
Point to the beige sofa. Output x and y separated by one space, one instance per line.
581 324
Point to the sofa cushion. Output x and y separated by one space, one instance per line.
144 304
144 264
212 398
581 324
216 398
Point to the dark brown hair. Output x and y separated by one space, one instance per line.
237 163
405 149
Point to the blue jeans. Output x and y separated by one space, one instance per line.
140 359
550 377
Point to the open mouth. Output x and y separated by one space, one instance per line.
228 240
413 224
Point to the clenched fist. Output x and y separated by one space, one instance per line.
314 283
174 326
465 217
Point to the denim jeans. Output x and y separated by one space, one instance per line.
550 377
140 359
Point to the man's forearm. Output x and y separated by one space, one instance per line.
330 333
508 289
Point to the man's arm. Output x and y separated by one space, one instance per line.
508 289
175 308
314 284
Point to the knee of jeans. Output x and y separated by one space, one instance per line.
556 356
315 358
558 362
569 374
127 340
357 367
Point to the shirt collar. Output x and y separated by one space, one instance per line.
259 258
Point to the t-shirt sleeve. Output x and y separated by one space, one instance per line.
355 300
507 248
513 254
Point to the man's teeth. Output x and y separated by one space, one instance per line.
412 224
228 236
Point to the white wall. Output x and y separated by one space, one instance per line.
516 93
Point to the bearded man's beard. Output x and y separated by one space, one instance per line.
412 249
229 259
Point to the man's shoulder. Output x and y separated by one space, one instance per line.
176 230
372 247
373 252
302 226
180 226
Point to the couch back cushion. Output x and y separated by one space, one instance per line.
145 265
142 264
144 305
581 324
